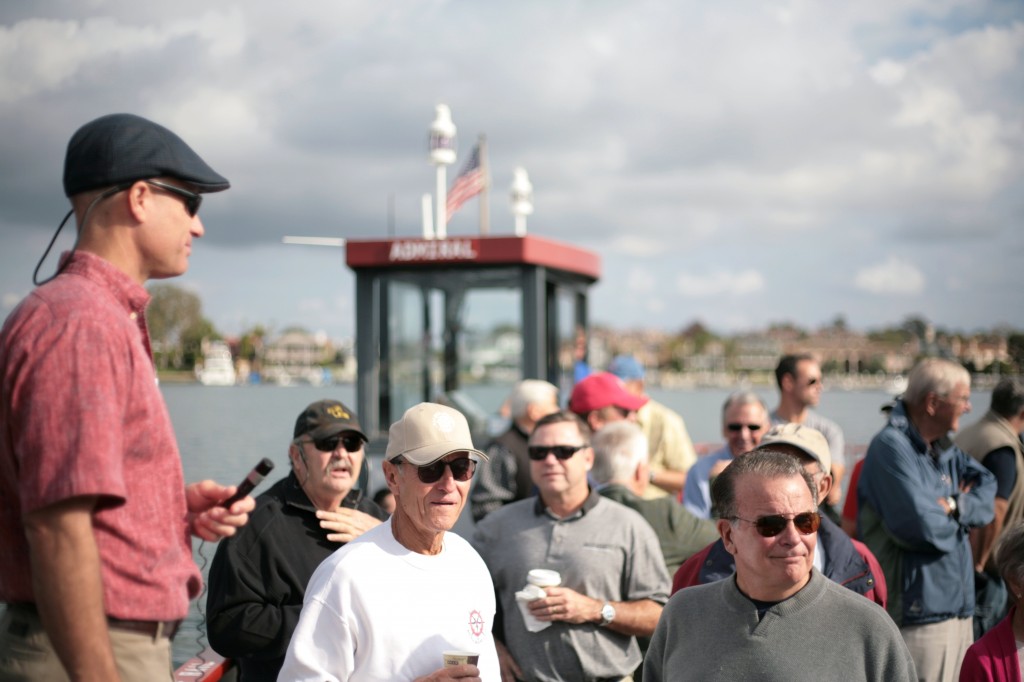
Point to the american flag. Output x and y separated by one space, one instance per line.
467 185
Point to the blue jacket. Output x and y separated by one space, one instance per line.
925 553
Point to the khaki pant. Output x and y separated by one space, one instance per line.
26 654
938 648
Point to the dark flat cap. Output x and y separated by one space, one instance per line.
120 148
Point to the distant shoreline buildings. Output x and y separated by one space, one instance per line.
692 358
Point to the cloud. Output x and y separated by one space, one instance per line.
894 276
641 281
699 138
730 283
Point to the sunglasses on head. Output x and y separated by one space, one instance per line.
540 452
739 427
462 469
350 441
773 524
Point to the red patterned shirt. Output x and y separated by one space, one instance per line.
81 414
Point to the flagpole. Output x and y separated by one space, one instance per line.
485 194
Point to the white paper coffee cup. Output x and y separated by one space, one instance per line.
543 577
456 657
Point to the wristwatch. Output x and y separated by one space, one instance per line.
954 511
607 614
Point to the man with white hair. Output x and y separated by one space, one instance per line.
919 496
505 477
621 474
387 605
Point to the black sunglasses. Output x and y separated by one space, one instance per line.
350 441
739 427
540 452
192 200
773 524
462 469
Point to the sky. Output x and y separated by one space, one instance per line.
738 163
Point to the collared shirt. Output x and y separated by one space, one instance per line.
604 550
697 491
81 415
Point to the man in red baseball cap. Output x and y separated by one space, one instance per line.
602 398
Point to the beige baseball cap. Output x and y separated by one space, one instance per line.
427 432
809 440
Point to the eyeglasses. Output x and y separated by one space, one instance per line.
958 400
540 452
192 200
773 524
350 441
462 469
740 427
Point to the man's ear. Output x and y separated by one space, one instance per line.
642 472
390 470
293 454
140 197
725 529
825 487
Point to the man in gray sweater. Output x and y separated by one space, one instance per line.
776 615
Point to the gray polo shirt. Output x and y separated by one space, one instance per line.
605 551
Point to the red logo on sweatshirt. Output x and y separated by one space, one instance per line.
476 624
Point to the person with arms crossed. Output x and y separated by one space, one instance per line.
777 618
387 605
919 496
95 518
613 578
258 577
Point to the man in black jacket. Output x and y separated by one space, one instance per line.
258 579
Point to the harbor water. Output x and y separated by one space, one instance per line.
223 431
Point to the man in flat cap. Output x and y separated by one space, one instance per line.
391 603
95 518
258 577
